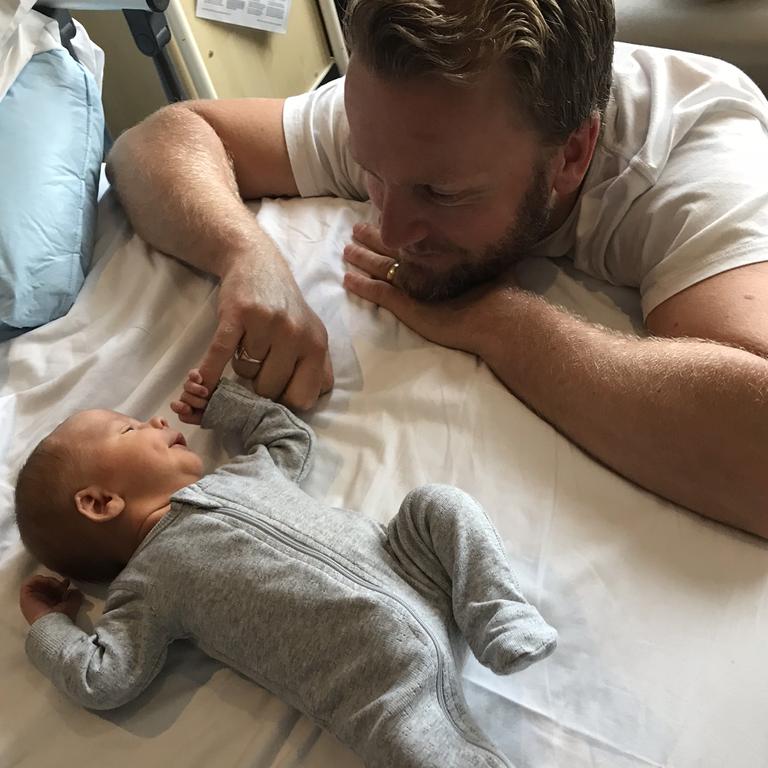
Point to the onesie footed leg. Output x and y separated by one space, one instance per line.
422 735
513 638
443 535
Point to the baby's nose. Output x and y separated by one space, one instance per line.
158 422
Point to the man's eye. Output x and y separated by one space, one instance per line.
444 197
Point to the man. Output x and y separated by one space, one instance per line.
483 132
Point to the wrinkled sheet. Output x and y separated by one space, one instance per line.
662 615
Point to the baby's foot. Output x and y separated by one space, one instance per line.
515 637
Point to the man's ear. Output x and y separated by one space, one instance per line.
573 158
98 504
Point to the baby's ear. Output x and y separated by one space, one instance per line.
99 505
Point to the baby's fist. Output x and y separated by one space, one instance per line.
46 594
193 400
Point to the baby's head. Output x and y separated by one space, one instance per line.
93 488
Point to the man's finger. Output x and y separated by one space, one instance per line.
255 348
370 236
326 382
377 291
373 263
304 388
276 371
424 319
219 353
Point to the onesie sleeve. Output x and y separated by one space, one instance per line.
108 668
261 422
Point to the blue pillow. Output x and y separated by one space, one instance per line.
51 148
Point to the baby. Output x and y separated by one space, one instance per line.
356 624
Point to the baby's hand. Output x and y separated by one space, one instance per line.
46 594
194 399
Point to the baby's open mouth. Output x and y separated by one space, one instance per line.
178 441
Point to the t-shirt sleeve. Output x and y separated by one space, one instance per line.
317 137
706 213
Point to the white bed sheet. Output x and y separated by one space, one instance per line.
662 615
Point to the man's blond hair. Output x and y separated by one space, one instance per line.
558 53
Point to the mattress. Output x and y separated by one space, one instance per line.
662 615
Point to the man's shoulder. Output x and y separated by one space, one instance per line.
644 118
328 97
662 77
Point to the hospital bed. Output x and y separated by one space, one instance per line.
662 615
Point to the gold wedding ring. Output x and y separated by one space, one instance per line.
241 354
391 271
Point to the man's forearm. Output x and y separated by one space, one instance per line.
686 419
173 177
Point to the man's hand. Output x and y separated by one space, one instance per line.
263 315
46 594
191 207
193 400
461 323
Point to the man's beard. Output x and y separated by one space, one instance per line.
472 269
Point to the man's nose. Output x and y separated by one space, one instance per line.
399 224
157 422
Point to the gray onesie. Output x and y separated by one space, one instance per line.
356 624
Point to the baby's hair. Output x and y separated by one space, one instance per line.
50 526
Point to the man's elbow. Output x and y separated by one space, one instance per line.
151 138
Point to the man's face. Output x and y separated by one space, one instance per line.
460 185
136 459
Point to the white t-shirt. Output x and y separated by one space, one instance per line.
677 190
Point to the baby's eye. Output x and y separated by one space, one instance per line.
128 429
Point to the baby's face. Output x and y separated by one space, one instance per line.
130 457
